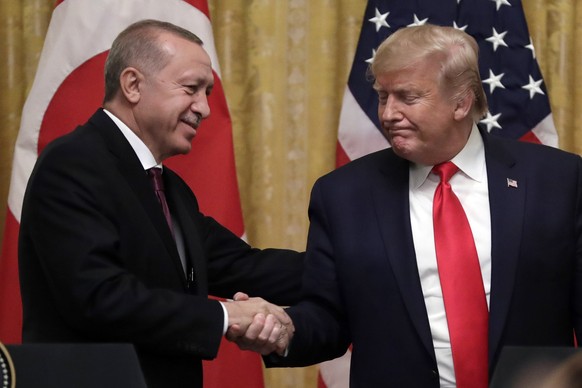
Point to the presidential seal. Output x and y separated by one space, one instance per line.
7 376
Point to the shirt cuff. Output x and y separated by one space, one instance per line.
225 325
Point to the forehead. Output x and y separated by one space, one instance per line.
423 74
184 53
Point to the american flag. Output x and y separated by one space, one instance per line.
519 107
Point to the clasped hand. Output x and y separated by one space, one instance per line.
257 325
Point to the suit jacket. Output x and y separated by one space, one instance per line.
361 279
98 263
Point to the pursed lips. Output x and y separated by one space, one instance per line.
397 130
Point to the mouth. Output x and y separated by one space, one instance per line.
192 121
393 131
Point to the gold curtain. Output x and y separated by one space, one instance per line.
284 66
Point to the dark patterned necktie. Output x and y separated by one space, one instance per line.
158 183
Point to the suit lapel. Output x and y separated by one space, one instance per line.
391 199
137 179
507 188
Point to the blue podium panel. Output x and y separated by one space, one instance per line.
76 365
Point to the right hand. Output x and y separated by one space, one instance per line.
255 324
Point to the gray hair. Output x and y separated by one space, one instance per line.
138 45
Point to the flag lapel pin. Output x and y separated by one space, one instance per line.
511 183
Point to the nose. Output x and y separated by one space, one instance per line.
390 111
200 104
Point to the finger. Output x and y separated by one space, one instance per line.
234 332
282 342
271 325
276 331
255 328
266 342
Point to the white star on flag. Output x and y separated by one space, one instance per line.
370 60
491 121
494 81
533 87
418 22
497 39
460 28
380 20
531 47
501 2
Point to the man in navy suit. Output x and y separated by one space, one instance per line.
99 259
371 277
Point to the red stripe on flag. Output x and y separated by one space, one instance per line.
233 368
59 118
530 137
201 5
341 157
209 168
10 304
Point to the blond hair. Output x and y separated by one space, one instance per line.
456 50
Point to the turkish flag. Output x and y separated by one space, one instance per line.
70 74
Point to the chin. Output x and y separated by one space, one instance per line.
404 152
184 145
185 151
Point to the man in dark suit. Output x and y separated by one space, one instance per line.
100 260
374 276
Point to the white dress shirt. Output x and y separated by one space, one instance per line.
470 186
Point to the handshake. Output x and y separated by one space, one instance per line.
257 325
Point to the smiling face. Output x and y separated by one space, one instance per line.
422 122
169 104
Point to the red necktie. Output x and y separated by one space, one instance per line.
461 283
156 176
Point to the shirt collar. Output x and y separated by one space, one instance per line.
471 161
143 153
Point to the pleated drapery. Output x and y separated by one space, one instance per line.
284 66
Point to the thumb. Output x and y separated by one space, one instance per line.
240 296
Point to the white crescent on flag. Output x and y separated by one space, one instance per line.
64 51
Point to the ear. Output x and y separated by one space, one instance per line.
463 107
130 81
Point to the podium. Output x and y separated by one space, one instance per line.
76 365
528 366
